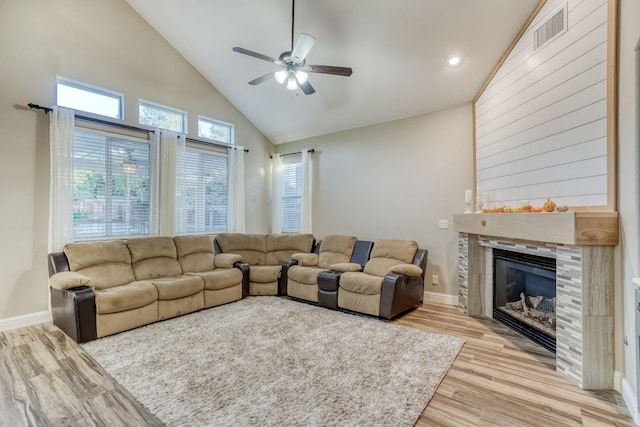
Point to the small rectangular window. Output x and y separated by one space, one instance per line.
215 129
163 117
92 99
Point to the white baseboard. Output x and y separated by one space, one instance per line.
25 320
630 398
441 298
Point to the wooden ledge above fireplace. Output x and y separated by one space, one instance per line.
567 228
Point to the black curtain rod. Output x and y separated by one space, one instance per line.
128 127
310 150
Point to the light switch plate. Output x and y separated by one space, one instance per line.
443 223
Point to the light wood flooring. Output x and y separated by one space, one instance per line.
498 379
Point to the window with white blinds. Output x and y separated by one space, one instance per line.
111 185
291 193
207 191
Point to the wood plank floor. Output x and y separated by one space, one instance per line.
498 379
502 379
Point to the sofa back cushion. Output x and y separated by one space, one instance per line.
251 247
280 247
107 264
336 249
195 253
153 257
387 253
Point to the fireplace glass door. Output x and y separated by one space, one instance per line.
525 295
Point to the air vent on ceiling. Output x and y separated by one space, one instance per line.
551 28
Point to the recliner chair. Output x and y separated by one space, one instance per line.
391 283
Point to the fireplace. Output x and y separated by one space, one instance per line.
524 295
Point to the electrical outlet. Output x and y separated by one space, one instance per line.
434 279
443 223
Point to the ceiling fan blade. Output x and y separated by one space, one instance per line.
261 79
256 55
307 88
329 69
303 46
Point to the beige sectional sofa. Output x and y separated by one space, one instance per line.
101 288
265 254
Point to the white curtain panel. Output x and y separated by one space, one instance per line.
276 193
236 217
172 148
62 121
307 192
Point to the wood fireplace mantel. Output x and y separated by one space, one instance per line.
567 228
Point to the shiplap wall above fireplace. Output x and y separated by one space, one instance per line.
541 122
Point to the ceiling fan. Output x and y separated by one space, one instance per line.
294 66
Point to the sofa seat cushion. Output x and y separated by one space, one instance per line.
126 297
177 287
264 273
306 275
220 278
361 283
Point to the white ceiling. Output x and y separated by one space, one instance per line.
397 49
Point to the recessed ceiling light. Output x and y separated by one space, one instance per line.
454 61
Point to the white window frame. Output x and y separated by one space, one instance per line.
91 89
209 120
166 108
294 163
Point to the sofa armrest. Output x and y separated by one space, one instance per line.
346 266
400 293
74 311
69 280
244 268
306 259
284 276
226 260
406 269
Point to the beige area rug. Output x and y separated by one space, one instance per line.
271 361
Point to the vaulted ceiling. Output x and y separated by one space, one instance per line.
397 49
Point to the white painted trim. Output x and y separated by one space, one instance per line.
25 320
441 298
630 398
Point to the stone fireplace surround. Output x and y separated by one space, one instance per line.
584 281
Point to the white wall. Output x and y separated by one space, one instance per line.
396 180
628 252
542 121
107 44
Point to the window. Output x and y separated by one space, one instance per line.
291 193
111 185
163 117
92 99
206 183
214 129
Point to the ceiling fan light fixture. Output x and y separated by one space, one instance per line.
302 77
280 76
291 83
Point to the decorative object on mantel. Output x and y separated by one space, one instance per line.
468 200
479 199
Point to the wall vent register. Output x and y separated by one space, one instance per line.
551 28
